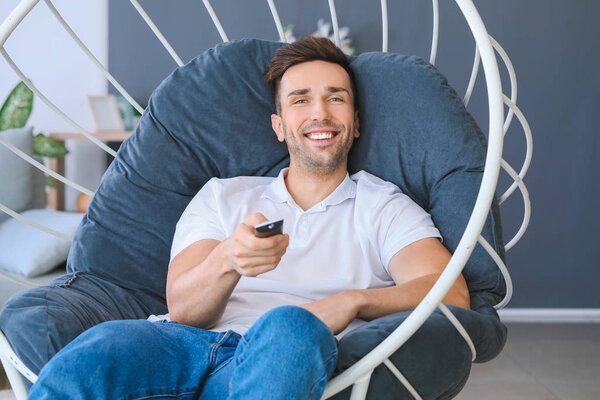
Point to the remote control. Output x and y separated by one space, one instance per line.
268 228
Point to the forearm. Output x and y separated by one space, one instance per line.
198 296
375 303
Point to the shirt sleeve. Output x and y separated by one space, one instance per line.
401 222
200 220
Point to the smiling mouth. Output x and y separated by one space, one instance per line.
321 135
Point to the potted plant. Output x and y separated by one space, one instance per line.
15 113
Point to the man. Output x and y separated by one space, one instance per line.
257 318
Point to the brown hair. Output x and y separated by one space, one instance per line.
303 50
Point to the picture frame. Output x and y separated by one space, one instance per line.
129 114
105 113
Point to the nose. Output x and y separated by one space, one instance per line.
320 111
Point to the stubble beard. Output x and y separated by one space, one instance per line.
312 162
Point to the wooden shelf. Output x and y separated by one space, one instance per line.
109 136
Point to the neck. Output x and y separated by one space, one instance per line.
308 188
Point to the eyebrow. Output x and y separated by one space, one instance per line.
334 89
330 89
298 92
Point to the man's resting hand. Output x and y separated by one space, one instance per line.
336 311
252 256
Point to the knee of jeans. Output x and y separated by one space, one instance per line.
295 327
293 321
294 333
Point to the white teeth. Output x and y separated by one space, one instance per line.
318 136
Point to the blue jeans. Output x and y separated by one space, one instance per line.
287 354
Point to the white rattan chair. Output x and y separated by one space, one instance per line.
485 53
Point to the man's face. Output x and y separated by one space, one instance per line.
317 119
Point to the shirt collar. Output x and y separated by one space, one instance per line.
277 191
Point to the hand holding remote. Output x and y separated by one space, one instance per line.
251 254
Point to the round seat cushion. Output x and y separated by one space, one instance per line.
211 118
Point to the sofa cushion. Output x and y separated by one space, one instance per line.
15 173
28 251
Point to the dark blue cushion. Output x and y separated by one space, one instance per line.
436 360
417 134
211 118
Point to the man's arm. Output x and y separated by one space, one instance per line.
202 277
415 270
199 284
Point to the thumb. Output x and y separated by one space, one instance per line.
254 219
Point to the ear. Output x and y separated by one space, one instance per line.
277 126
356 125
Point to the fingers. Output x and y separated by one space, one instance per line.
244 234
250 245
252 256
256 266
242 250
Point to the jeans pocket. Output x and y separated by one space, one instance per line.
65 281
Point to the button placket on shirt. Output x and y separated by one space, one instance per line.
301 228
304 221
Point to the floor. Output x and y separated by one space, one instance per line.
539 362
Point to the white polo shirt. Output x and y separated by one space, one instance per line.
344 242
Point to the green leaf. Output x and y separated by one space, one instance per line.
17 108
45 146
51 182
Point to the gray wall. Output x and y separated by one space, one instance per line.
551 46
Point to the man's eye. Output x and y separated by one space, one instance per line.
336 99
300 101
